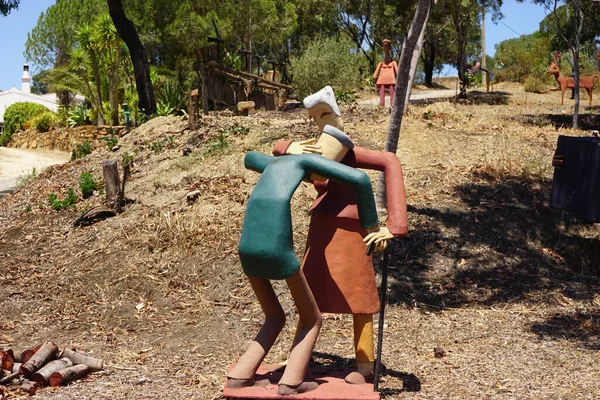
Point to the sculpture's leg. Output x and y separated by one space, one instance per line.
589 90
310 319
382 95
243 372
392 90
562 100
363 345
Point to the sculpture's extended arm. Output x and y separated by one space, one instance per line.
358 180
257 161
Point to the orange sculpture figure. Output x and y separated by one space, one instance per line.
336 267
565 82
385 73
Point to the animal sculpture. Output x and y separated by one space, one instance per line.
565 82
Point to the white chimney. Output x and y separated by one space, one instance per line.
26 80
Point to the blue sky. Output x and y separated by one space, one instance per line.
520 19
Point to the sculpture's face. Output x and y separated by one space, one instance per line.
323 115
553 68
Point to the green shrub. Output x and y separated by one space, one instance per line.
87 184
534 84
16 116
328 62
345 96
111 141
81 150
67 202
79 115
44 121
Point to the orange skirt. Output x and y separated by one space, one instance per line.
338 271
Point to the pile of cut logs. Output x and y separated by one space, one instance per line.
45 365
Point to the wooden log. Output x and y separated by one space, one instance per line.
16 367
94 364
43 374
9 378
68 374
93 215
29 386
25 356
46 353
8 360
3 373
112 184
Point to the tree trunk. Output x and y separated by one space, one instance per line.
112 184
95 70
429 63
414 62
424 7
68 374
141 69
576 48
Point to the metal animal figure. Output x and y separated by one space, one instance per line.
565 82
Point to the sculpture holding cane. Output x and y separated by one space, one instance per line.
343 221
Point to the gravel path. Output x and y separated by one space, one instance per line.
17 162
427 94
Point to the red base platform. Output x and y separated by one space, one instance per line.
331 386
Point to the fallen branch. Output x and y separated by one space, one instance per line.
68 374
9 378
94 215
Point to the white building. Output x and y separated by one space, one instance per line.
14 95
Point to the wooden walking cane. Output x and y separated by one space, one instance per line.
382 301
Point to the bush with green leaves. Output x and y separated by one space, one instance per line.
16 116
87 184
81 150
328 61
79 115
44 121
65 203
171 100
533 84
111 140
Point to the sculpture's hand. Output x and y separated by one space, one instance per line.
380 236
307 146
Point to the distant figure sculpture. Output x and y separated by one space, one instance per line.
266 251
565 82
385 73
338 271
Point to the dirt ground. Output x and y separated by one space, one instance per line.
508 287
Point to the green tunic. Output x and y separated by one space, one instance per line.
266 246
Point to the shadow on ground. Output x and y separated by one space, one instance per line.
503 243
410 382
587 121
582 328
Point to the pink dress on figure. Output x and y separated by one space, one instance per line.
385 73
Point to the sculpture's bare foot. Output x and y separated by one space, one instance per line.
355 378
234 383
296 389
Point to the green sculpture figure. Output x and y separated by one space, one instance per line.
266 252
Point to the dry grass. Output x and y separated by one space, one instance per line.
507 286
